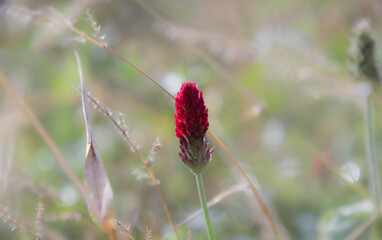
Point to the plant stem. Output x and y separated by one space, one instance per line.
374 178
202 197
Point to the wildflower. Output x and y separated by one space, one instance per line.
361 51
191 120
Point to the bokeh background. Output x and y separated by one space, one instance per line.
280 96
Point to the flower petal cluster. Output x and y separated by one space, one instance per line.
191 121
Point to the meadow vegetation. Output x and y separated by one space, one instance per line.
88 148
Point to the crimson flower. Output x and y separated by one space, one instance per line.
191 121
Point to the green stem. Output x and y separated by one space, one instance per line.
373 166
199 183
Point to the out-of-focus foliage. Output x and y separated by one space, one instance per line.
275 79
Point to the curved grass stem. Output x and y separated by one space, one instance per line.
252 186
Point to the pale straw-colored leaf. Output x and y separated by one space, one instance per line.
95 177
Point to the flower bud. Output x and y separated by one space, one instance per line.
361 52
191 121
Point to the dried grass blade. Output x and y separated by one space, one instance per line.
95 177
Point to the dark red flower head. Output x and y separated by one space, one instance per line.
191 117
191 121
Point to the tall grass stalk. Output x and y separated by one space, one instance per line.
372 161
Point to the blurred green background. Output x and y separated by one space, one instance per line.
276 82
